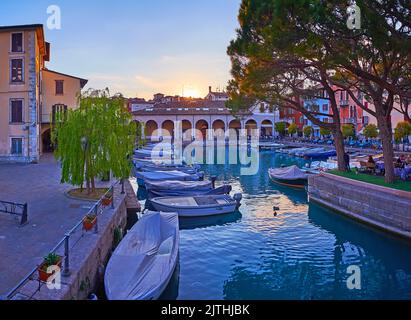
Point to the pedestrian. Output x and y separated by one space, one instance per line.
347 161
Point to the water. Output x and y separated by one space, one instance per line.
302 253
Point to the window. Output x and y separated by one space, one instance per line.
59 87
17 42
325 107
16 111
57 108
17 70
17 146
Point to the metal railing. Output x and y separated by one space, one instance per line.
97 209
10 207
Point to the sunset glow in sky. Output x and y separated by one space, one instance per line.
137 47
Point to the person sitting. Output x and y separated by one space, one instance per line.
371 160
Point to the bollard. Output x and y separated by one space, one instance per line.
66 269
112 197
96 213
122 186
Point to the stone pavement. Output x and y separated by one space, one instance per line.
50 215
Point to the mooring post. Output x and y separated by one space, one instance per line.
24 215
96 214
66 269
112 197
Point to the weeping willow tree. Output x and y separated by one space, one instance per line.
94 139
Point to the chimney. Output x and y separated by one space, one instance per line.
209 89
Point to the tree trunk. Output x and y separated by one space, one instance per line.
339 148
387 147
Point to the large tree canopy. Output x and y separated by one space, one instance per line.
288 49
95 139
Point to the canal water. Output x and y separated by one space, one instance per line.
301 253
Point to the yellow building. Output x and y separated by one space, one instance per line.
30 93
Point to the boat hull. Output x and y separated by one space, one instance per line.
298 183
143 264
195 212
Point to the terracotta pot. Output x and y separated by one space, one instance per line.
89 224
106 201
43 275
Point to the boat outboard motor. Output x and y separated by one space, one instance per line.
238 197
213 180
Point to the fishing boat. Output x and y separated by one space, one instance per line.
198 206
294 151
148 154
149 168
289 176
310 150
167 175
320 154
172 188
143 263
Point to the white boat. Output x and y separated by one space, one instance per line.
166 175
172 188
143 263
310 150
292 152
289 176
198 206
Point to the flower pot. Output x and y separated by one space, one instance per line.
42 270
106 201
88 224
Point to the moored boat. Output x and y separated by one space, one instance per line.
143 263
166 175
289 176
171 188
197 206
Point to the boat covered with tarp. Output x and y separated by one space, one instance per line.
183 188
289 176
167 175
143 263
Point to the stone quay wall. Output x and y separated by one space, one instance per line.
385 208
90 254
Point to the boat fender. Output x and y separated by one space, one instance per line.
238 197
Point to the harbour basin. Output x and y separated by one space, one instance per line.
303 252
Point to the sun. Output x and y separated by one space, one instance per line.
191 92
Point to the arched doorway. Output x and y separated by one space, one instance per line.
167 128
250 125
202 127
47 144
150 127
186 128
267 128
219 128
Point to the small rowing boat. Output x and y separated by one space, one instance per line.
198 206
289 176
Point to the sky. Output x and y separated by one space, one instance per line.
137 47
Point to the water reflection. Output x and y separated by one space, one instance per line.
171 291
205 222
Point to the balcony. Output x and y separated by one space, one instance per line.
344 103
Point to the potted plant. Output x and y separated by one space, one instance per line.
51 259
89 222
107 199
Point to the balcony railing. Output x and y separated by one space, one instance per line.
63 246
344 103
